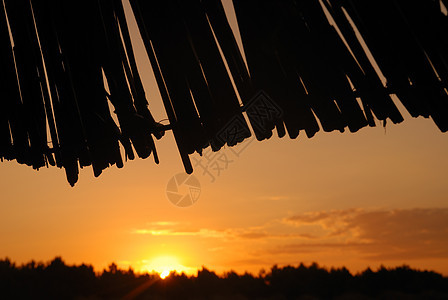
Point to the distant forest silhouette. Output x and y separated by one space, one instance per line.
56 280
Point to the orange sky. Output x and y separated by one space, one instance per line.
379 196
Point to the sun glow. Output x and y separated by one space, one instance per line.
164 265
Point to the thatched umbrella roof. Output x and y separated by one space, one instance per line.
307 69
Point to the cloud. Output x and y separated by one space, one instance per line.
253 235
164 232
312 248
377 234
203 232
178 229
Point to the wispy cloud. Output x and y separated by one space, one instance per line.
369 234
203 232
377 234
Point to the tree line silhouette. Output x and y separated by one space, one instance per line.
57 280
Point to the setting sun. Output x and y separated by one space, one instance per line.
164 274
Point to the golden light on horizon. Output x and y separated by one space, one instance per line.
164 265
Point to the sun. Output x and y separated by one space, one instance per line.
165 274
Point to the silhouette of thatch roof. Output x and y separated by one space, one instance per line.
302 70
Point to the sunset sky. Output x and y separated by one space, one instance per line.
379 196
